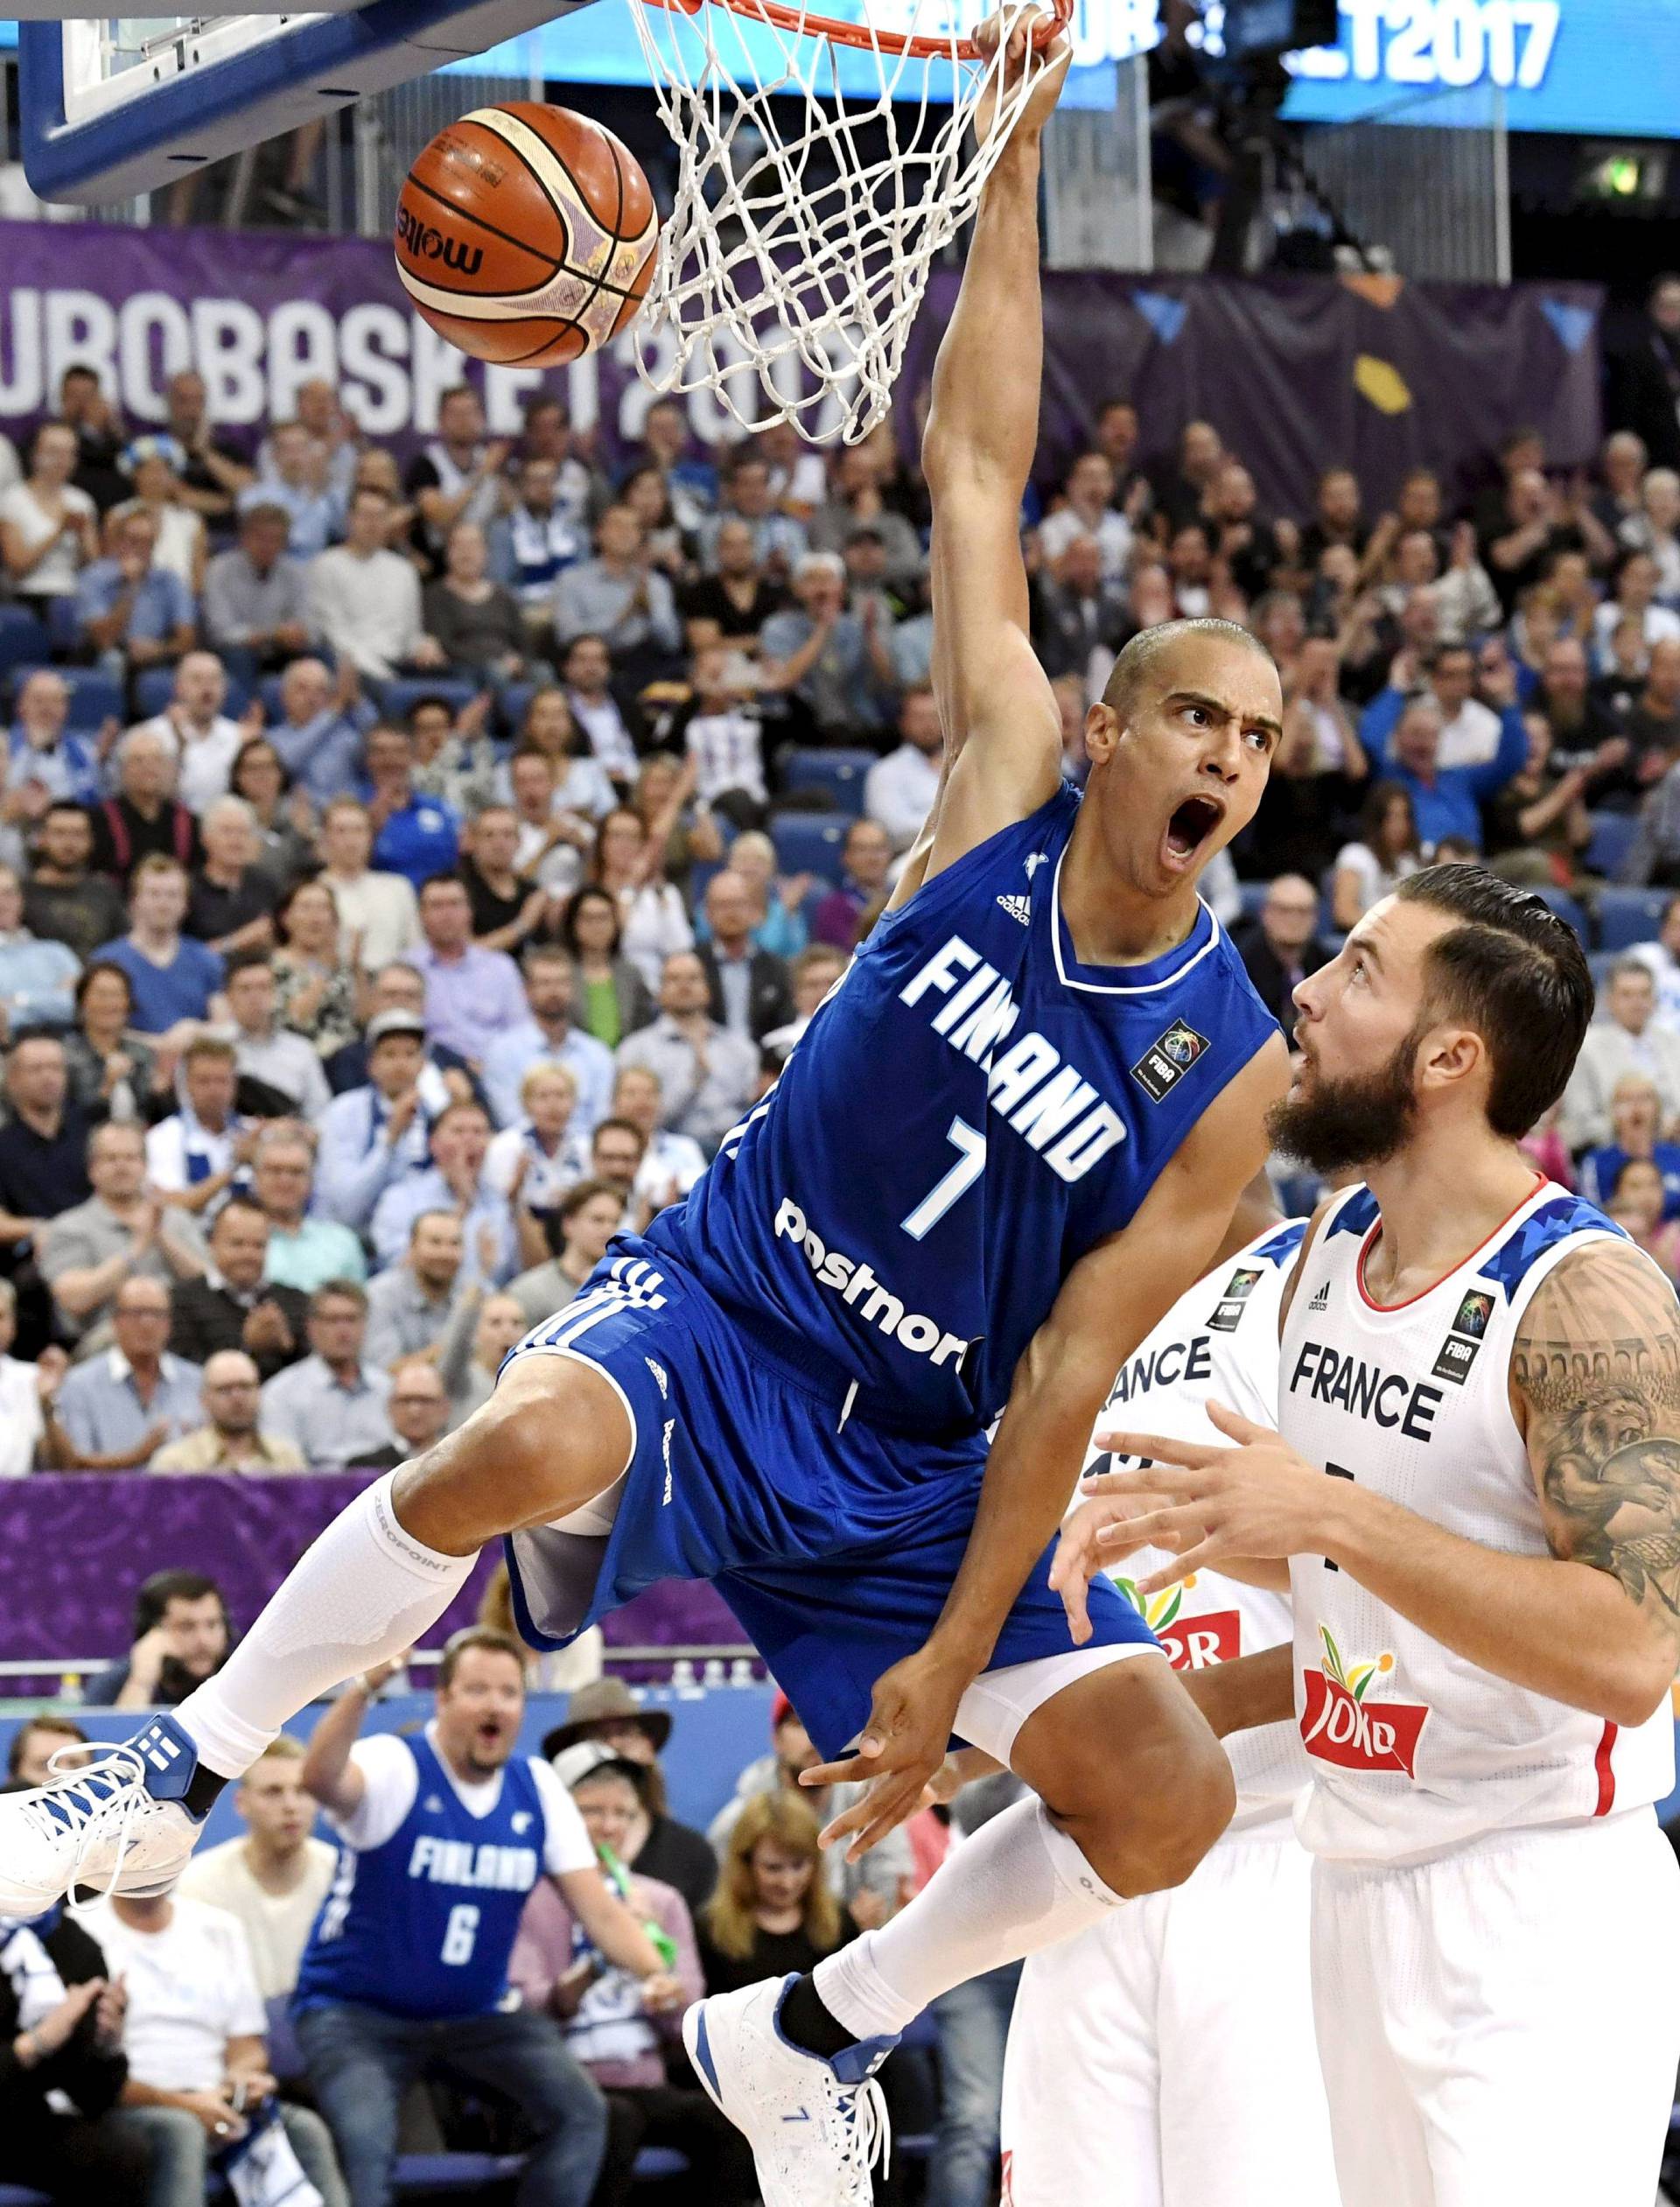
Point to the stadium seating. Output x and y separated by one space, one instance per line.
810 842
1612 839
839 775
22 636
1626 916
1568 911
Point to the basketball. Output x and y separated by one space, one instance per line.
526 235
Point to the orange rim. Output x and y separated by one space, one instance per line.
783 17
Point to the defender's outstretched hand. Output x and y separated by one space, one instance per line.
1257 1500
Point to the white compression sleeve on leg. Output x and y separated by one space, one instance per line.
1018 1884
362 1593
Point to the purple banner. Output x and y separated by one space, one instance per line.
77 1546
1297 372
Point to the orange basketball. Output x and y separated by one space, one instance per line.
526 235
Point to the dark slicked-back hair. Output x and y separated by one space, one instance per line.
1515 973
1136 663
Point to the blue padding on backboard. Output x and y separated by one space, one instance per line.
228 106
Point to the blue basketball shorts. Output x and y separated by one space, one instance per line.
834 1539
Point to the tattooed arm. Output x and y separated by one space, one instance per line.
1595 1383
1596 1623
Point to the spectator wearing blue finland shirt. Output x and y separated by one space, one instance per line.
443 1838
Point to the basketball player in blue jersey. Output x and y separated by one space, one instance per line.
1014 1134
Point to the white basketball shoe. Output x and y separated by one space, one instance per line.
117 1822
816 2127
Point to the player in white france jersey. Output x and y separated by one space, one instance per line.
1164 2057
1476 1481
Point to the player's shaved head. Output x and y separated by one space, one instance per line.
1141 665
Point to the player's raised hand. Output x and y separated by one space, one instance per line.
902 1748
1031 43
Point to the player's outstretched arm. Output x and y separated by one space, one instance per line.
1002 730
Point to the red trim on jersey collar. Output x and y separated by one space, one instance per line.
1366 1246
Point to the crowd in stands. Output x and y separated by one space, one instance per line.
408 874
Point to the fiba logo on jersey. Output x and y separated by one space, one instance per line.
1339 1725
1460 1348
1166 1061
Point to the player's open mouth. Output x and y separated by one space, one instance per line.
1191 825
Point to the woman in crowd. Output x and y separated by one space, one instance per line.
622 2031
612 999
581 786
532 1163
48 531
476 620
773 1911
780 927
283 850
231 905
653 919
37 976
319 988
1636 1206
645 492
662 799
113 1074
1383 853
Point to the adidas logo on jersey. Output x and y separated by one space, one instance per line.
1321 1301
660 1380
1019 908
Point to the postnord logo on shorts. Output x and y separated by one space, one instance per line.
1339 1726
1188 1643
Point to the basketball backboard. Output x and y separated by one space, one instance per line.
113 105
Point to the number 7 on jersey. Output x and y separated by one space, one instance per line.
970 1163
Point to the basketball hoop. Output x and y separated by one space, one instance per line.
820 171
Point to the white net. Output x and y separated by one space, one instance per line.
815 185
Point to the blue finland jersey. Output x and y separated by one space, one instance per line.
424 1925
968 1113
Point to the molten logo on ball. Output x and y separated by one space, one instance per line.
526 235
426 243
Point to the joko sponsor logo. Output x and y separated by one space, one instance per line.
1339 1725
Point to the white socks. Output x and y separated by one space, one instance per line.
1018 1884
364 1592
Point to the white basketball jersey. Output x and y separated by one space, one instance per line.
1415 1750
1218 1342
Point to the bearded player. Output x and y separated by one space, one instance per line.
1476 1482
1009 1137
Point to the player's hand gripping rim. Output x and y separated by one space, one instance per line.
1201 1502
899 1753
